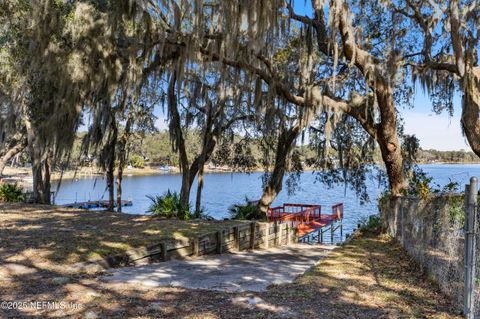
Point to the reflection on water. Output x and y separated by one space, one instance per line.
224 189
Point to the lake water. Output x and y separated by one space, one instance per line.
221 190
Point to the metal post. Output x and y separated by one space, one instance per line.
470 214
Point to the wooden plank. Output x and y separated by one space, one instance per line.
253 227
237 238
219 241
163 248
289 235
180 252
196 247
280 234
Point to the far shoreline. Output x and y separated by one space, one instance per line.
23 175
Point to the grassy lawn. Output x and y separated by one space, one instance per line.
55 236
369 278
372 277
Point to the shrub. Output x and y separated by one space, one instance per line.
420 185
456 209
371 224
245 211
200 214
137 161
11 193
169 205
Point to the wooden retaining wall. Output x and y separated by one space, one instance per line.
245 236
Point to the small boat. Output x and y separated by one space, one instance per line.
165 168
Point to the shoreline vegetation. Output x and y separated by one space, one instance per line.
23 175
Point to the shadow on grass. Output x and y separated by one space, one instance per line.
369 278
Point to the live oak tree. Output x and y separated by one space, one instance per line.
446 60
63 59
225 60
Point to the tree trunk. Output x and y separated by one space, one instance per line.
198 202
387 138
119 186
386 133
110 185
12 152
46 178
471 108
122 157
110 172
207 141
275 183
179 141
39 157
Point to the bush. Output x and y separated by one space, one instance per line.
169 205
371 224
137 161
456 205
200 214
11 193
420 185
245 211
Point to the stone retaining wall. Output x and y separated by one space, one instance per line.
254 235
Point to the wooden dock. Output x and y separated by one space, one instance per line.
96 204
309 220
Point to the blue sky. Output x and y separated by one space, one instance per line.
440 132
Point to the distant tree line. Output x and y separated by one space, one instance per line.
435 156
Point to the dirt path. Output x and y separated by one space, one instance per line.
237 272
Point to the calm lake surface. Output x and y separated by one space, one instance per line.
221 190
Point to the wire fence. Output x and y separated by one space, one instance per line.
432 232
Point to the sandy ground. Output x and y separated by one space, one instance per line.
53 237
371 277
236 272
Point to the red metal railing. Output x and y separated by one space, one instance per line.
305 217
294 213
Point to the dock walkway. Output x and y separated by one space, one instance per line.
96 204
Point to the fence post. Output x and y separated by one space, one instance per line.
279 230
163 248
236 231
252 235
219 241
470 216
196 247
